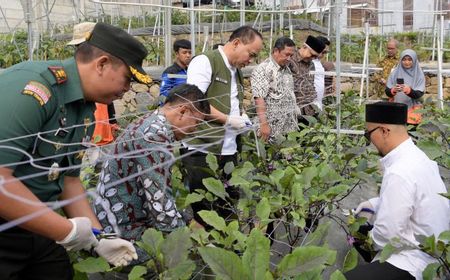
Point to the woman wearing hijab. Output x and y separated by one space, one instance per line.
406 84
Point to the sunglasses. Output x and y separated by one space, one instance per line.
368 133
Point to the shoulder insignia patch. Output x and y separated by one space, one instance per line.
59 73
39 91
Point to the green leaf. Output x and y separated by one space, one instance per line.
225 264
92 265
181 271
351 260
430 272
176 247
319 235
137 272
307 175
151 241
335 191
445 235
276 176
387 251
263 209
192 198
77 275
212 162
213 219
216 187
304 259
243 170
256 256
431 148
297 191
337 275
228 168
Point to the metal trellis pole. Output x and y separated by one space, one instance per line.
338 66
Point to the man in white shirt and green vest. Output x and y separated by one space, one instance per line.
217 74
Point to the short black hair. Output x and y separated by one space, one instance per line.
246 34
182 44
324 40
283 42
189 93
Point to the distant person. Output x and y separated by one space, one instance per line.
406 84
273 90
319 79
300 65
217 74
177 73
409 203
387 64
146 200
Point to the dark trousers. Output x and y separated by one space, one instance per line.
378 271
194 165
28 256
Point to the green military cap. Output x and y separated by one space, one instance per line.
122 45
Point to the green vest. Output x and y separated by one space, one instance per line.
38 99
212 131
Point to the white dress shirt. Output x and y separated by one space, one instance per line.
319 82
199 74
409 204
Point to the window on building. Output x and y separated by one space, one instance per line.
408 16
357 13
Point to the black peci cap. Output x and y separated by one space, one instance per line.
387 112
120 44
315 44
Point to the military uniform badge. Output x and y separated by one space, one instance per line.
59 74
37 90
53 172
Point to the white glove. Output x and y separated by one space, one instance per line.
365 209
236 122
298 112
116 251
247 120
80 237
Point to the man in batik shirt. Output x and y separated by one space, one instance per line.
300 65
273 89
134 189
387 63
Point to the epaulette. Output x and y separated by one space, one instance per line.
55 75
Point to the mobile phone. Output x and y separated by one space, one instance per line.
400 81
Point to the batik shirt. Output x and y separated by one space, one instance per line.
276 86
134 190
387 63
304 89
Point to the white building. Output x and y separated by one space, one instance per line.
46 15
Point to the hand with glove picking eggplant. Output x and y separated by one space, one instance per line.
116 251
238 122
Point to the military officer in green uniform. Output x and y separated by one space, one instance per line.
47 114
387 63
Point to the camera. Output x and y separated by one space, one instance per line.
400 81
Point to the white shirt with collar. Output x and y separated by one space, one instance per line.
199 74
319 82
409 204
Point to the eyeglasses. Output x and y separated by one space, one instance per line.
368 133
